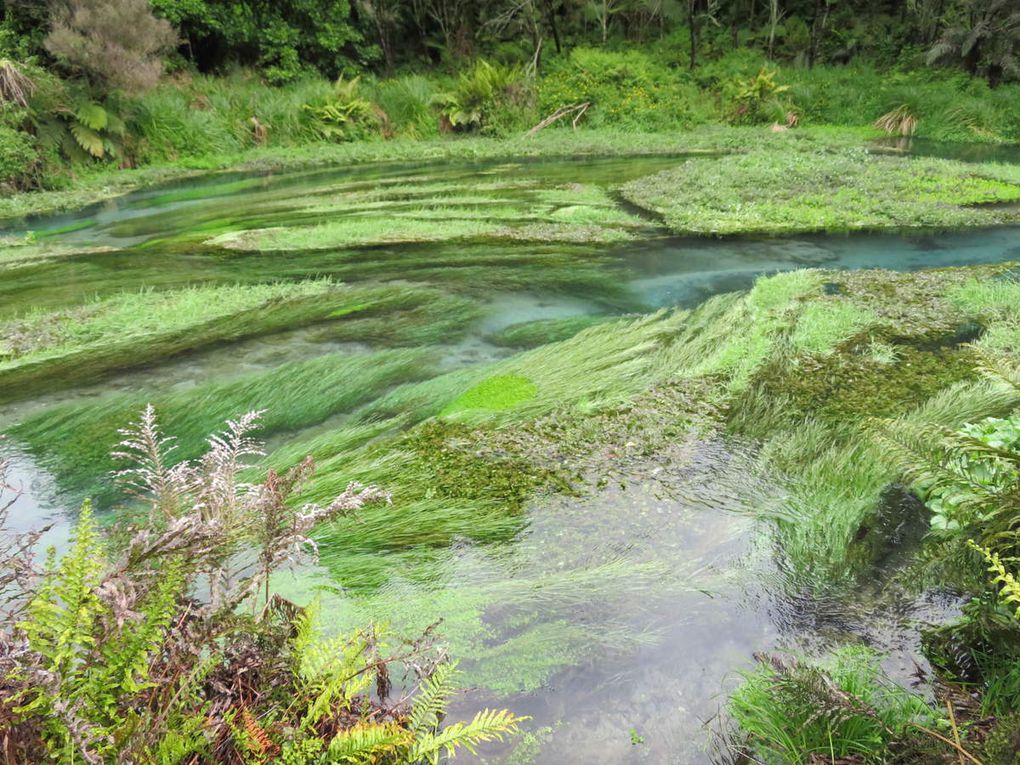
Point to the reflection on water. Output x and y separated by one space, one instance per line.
629 608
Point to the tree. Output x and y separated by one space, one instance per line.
116 44
984 35
697 12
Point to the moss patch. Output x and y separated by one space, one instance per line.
495 394
856 383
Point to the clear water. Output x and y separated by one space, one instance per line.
632 607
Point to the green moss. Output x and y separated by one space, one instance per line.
1002 746
853 383
494 394
444 451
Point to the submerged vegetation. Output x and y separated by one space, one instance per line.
786 189
540 416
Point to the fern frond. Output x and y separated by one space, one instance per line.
487 725
258 738
63 614
431 703
1006 581
366 742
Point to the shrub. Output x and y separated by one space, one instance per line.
761 100
117 44
625 89
345 115
486 98
18 158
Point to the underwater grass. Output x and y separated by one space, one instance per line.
74 440
786 189
531 334
50 350
571 214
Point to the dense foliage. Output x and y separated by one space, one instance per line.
790 710
72 73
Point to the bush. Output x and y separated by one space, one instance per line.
18 158
174 649
344 115
117 44
626 89
487 98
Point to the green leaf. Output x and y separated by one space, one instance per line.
93 116
88 139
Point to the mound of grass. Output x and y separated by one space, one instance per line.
787 189
402 213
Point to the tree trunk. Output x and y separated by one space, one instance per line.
551 14
817 27
773 23
692 25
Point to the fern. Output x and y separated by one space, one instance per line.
487 725
126 658
1006 581
368 742
430 706
63 614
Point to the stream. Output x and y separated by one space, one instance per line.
617 620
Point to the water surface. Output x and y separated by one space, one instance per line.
619 615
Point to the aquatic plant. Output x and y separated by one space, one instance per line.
792 710
133 329
301 394
727 195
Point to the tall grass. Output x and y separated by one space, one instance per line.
797 711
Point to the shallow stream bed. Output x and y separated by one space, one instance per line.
617 618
